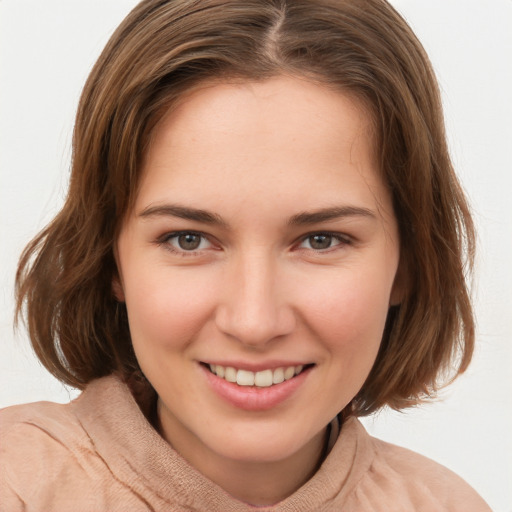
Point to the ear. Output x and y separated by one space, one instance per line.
399 289
117 289
117 282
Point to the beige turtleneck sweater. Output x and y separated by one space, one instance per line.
99 453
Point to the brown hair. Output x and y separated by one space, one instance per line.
163 49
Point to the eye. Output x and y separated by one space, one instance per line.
186 241
322 241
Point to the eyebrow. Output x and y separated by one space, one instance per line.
183 212
327 214
300 219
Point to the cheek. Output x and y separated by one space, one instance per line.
166 308
350 312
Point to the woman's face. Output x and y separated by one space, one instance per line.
263 244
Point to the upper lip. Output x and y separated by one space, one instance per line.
255 367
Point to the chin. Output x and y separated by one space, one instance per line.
262 446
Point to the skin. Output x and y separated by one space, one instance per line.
258 156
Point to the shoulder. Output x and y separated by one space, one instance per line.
39 425
38 442
44 446
417 482
77 456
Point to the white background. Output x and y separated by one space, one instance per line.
47 49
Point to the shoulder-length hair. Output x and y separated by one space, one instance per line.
162 50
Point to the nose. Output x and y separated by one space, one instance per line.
255 308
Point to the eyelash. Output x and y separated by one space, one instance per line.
343 240
165 239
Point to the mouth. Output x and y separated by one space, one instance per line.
260 390
261 379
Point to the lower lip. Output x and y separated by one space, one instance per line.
252 398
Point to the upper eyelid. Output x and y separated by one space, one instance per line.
342 237
174 234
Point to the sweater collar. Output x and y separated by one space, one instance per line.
138 456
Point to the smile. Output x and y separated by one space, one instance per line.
260 379
259 390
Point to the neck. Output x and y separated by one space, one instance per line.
257 483
267 483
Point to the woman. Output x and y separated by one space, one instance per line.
263 239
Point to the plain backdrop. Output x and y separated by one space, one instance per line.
47 49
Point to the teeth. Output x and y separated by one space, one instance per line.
229 373
262 379
289 372
245 378
278 376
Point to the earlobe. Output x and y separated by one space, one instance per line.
117 289
398 291
395 299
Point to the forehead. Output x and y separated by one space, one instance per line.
260 138
282 109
